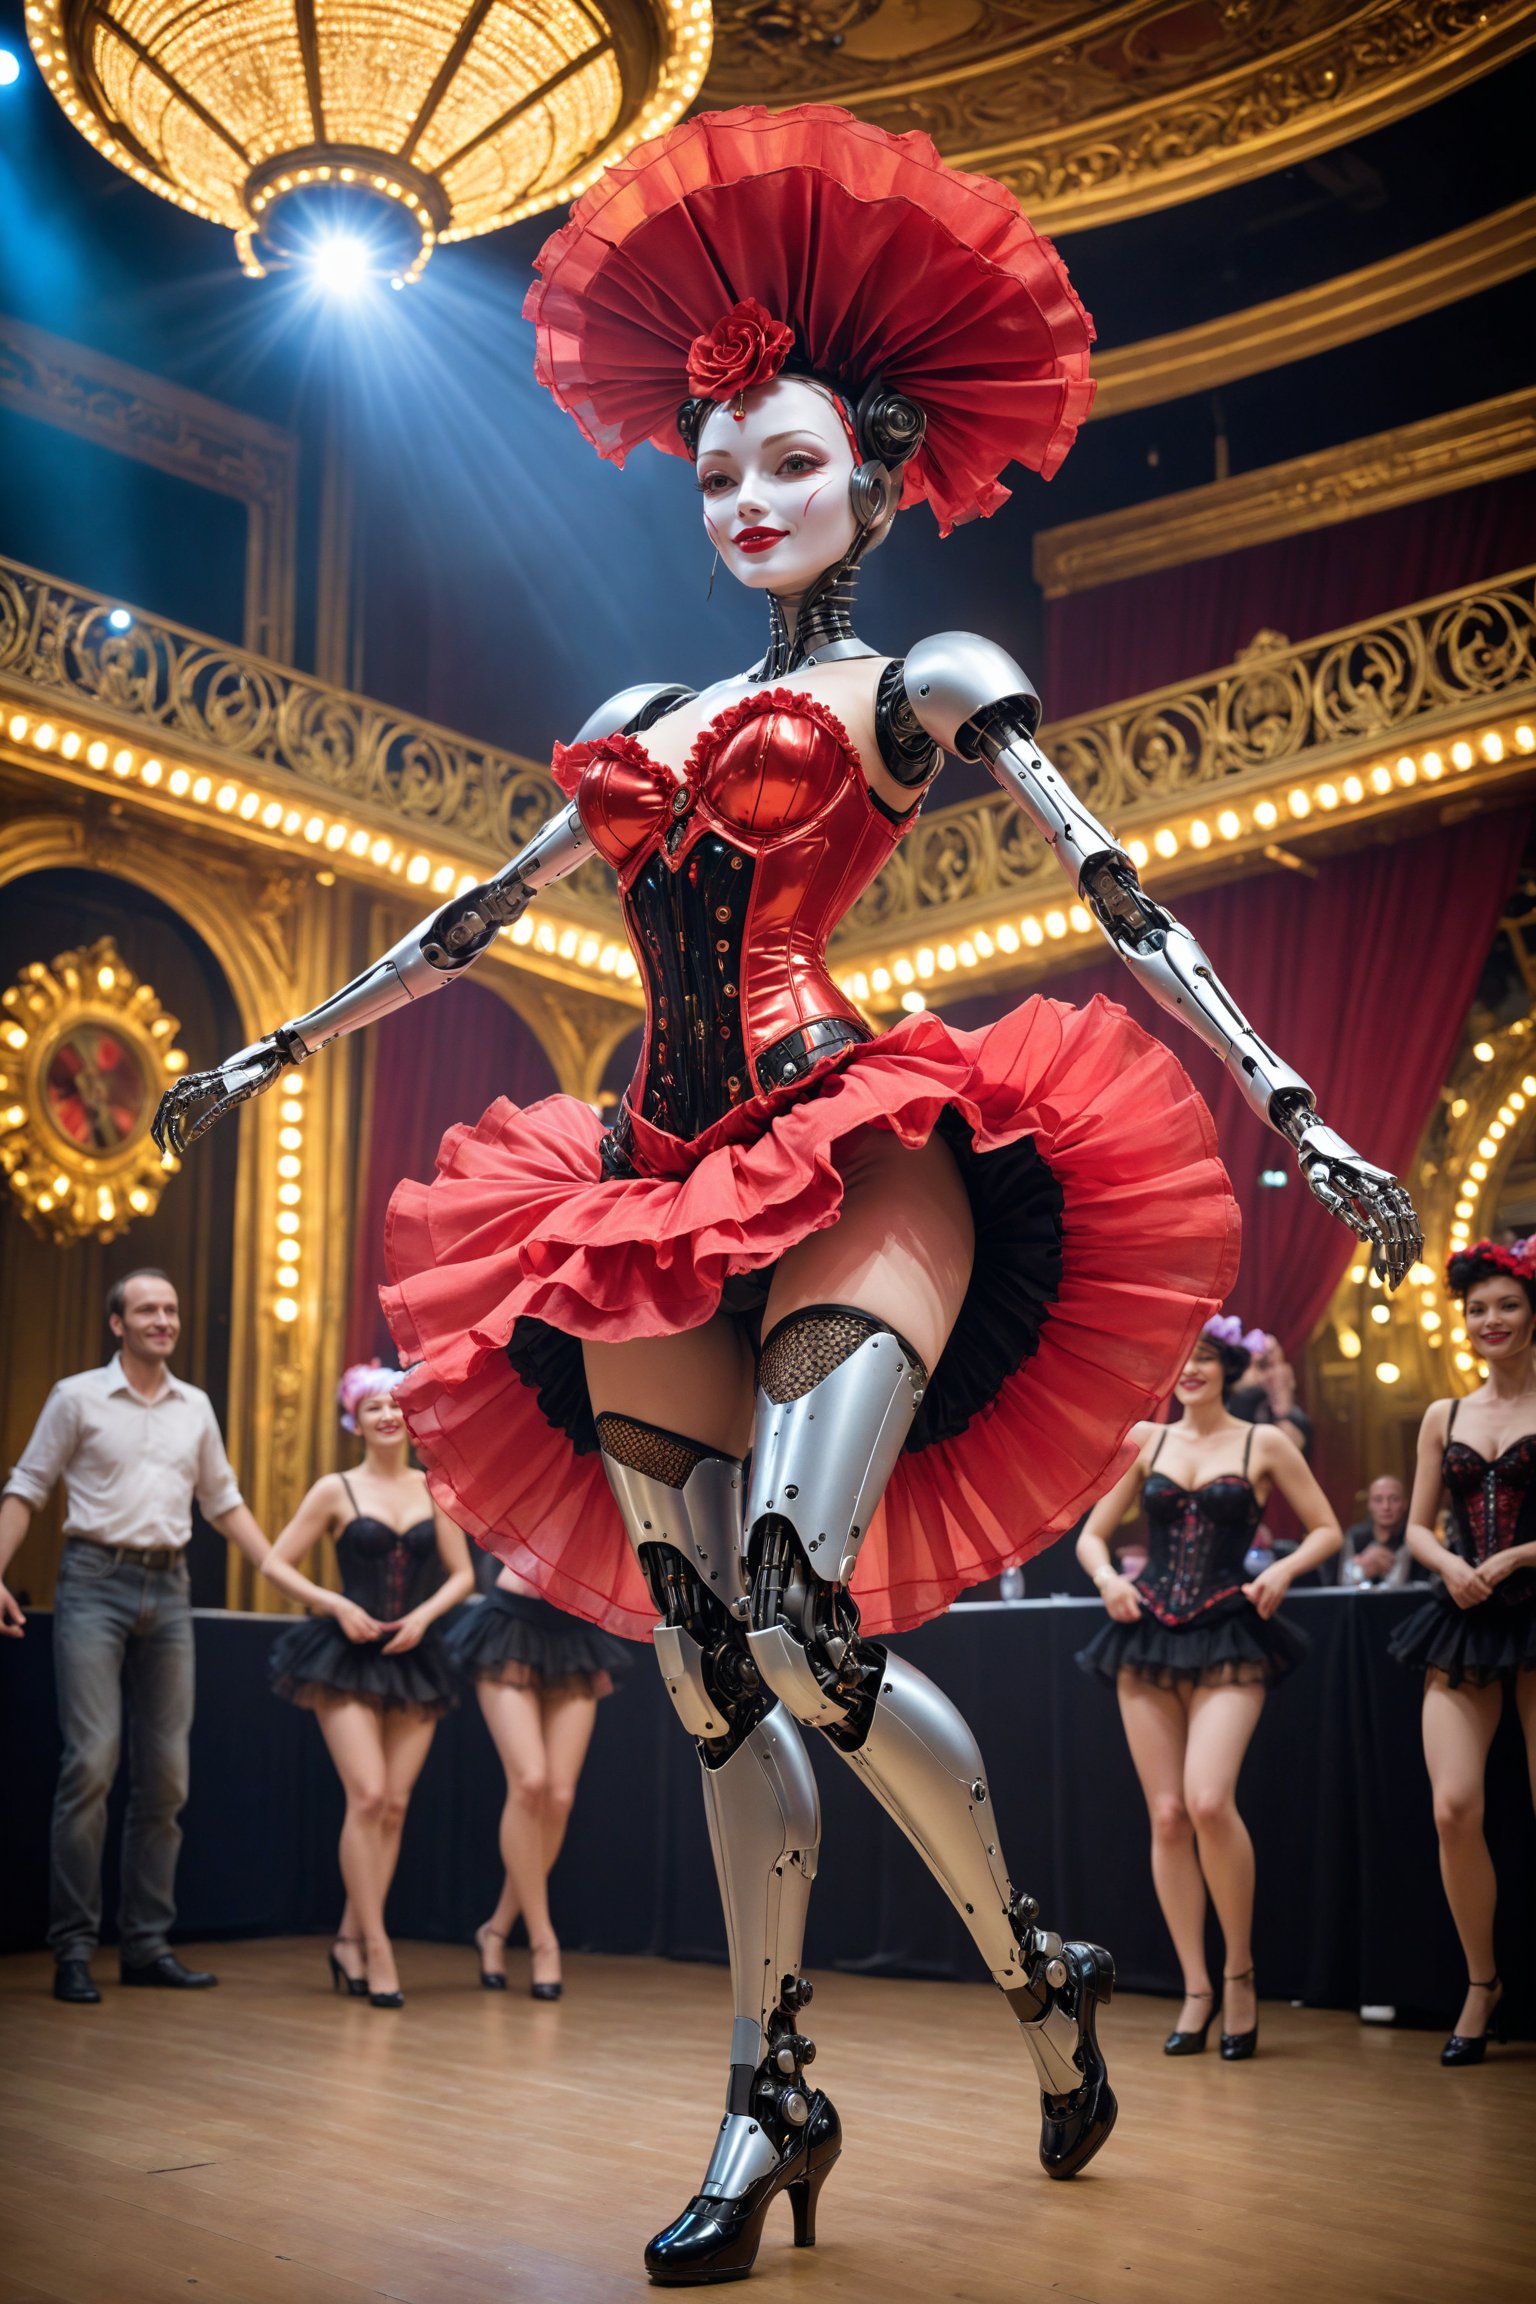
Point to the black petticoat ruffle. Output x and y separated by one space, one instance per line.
1232 1645
512 1637
315 1658
1016 1207
1491 1642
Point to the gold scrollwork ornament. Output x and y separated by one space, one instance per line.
86 1052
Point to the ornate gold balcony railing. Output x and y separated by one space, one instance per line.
1252 760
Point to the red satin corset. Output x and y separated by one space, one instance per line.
733 879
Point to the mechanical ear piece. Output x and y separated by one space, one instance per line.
872 491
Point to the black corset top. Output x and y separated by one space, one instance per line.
388 1571
1493 1505
1197 1539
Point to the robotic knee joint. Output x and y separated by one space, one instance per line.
681 1504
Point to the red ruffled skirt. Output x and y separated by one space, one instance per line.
1107 1235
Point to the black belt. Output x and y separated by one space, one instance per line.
780 1066
792 1057
142 1555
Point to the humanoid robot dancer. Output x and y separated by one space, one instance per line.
891 1267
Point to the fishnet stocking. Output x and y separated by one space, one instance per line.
664 1456
805 1348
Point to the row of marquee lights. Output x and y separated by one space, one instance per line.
904 976
330 835
1442 1325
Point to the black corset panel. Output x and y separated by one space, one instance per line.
687 929
388 1571
1196 1542
1493 1506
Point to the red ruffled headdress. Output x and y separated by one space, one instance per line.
740 239
1519 1261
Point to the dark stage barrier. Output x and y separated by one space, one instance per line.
1350 1904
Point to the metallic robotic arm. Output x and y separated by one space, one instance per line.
974 700
434 954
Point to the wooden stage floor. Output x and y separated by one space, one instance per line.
266 2144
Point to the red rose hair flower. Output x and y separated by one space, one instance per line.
748 346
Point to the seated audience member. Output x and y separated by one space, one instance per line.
1267 1394
1374 1548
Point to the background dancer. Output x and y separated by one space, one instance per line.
1192 1649
925 1224
1476 1639
540 1675
370 1663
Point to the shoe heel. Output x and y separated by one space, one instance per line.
338 1973
803 2195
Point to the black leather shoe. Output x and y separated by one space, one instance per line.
72 1980
1470 2047
1237 2047
1189 2043
1075 2124
716 2240
168 1975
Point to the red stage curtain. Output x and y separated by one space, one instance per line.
1178 623
1361 979
438 1062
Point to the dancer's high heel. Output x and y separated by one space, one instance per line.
1058 2014
1472 2047
1191 2043
488 1981
550 1991
395 1999
356 1987
715 2240
1237 2047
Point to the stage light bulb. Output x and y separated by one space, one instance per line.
10 68
341 264
120 619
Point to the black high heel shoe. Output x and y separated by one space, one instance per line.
395 1999
488 1982
1237 2047
1072 1981
716 2240
1472 2047
356 1987
1191 2043
537 1991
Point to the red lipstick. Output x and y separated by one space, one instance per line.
759 539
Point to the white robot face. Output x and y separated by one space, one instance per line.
775 486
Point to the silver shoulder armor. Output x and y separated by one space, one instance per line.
954 676
632 710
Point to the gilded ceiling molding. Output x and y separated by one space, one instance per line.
1438 700
1491 441
218 447
1093 114
1338 311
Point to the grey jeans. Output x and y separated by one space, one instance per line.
120 1631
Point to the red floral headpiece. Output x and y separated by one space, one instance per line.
865 252
1519 1261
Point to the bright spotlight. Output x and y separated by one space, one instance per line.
10 68
119 619
341 263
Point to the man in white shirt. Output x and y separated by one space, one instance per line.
134 1445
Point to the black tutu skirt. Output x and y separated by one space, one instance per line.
315 1659
1230 1646
1491 1642
526 1643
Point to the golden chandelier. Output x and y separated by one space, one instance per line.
442 118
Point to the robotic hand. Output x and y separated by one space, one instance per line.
432 955
1371 1202
973 699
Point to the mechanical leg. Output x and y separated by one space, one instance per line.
681 1504
837 1392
